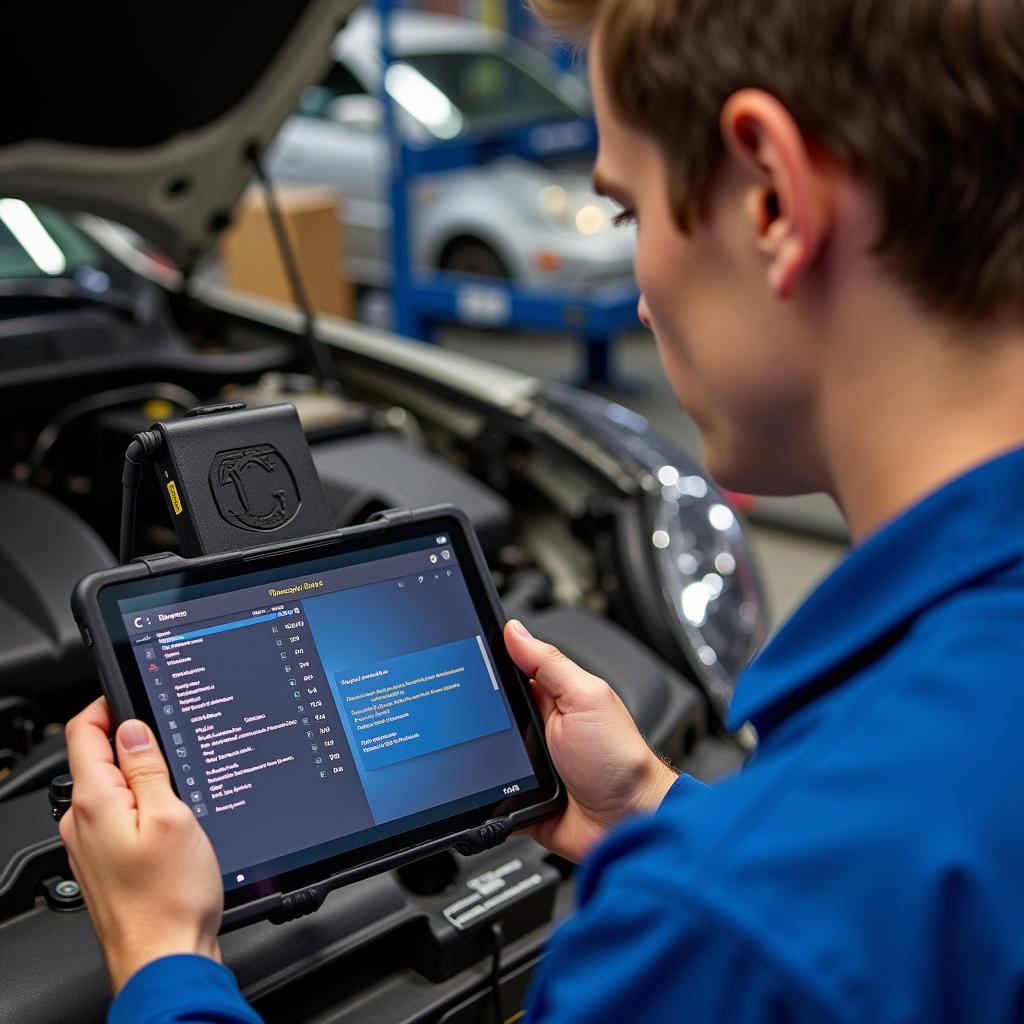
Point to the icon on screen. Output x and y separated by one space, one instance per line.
177 739
446 555
162 695
181 751
442 540
142 622
448 572
152 667
168 709
401 585
149 654
421 579
433 559
239 878
190 781
200 810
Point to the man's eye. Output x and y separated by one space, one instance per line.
624 219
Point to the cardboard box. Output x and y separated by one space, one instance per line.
252 262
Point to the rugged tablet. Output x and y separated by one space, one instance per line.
329 708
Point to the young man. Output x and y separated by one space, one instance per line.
831 253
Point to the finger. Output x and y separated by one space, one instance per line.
90 756
144 767
571 687
544 701
66 827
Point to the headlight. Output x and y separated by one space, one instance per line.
707 576
576 211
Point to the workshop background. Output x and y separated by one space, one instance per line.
550 295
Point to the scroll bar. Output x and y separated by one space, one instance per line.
487 661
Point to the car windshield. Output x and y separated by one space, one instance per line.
452 94
40 242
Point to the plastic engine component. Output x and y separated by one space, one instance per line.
366 474
44 551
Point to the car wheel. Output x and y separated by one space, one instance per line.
471 256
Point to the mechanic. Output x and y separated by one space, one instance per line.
831 255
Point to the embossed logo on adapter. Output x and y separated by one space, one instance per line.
254 488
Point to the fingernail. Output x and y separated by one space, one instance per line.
134 736
521 629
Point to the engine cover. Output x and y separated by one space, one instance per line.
44 551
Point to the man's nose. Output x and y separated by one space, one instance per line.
644 312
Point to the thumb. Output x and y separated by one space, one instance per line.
142 764
571 687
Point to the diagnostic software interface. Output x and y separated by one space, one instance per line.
330 709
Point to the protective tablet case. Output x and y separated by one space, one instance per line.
282 907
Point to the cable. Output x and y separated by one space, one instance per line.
141 450
48 436
498 940
325 370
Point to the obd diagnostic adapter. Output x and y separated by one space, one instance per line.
232 478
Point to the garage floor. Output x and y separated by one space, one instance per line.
793 560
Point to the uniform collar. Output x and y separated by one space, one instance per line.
960 532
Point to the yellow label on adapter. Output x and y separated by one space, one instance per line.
172 490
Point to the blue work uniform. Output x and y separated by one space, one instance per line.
868 863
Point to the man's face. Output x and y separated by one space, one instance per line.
738 358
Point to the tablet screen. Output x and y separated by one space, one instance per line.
326 705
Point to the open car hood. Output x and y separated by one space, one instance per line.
146 114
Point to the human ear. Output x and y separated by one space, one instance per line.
785 203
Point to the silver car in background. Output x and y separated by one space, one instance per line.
538 224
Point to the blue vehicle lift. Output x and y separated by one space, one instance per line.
424 299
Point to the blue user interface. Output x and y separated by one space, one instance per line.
316 713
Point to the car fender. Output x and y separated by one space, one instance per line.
455 214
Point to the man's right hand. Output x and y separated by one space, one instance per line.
607 766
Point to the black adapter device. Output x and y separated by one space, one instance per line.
232 478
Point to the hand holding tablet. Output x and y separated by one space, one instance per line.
328 708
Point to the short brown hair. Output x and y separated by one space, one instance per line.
922 99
